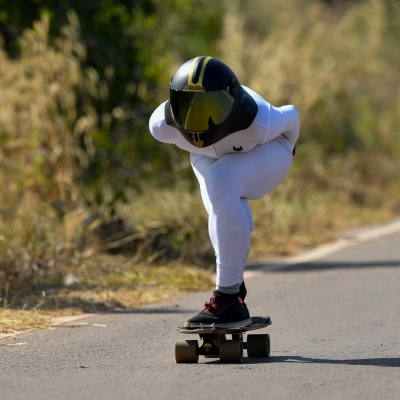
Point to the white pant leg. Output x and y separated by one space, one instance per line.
202 163
225 185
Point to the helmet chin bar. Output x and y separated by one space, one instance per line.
196 139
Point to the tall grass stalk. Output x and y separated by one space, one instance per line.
41 129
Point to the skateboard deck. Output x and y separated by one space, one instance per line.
216 345
257 323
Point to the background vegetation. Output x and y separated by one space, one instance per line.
91 201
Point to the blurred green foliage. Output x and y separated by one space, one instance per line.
132 47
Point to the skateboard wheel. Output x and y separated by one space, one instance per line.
258 345
231 351
186 351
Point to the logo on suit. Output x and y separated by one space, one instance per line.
237 148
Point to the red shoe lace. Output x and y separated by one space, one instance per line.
213 304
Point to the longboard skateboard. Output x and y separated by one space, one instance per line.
216 345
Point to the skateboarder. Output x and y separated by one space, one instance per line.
241 148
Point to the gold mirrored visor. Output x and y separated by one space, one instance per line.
200 111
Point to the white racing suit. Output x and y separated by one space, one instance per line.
247 164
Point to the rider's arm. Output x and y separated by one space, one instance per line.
283 120
159 128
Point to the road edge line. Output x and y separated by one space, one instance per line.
365 235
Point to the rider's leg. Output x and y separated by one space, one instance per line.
225 185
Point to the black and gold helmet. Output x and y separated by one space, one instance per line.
207 103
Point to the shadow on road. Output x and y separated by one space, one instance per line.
376 362
144 310
321 265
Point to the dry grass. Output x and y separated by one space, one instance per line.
290 219
40 124
123 285
41 127
16 321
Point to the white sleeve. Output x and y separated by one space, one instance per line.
283 120
159 128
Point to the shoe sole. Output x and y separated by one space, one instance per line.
229 325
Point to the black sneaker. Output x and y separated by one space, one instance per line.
242 291
222 311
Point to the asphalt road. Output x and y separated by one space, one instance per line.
335 334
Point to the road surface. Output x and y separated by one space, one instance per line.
335 334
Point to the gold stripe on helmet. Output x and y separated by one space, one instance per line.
203 68
196 86
190 77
